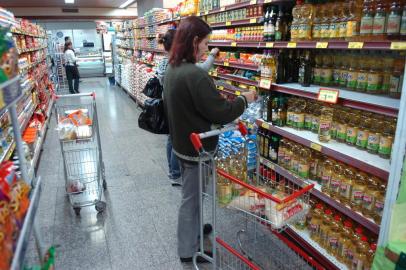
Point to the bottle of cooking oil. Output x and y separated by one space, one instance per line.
315 222
305 28
299 113
343 17
288 153
371 192
297 18
386 140
333 130
352 129
394 20
318 15
386 73
379 22
379 203
346 186
336 180
367 19
325 227
342 127
317 70
304 163
325 21
290 112
345 242
334 28
281 152
326 176
352 74
316 166
294 162
396 79
352 250
333 235
354 20
362 78
344 70
308 116
374 136
327 70
375 78
363 132
337 59
316 119
370 256
357 192
325 124
361 256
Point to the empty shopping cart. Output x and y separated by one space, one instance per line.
80 143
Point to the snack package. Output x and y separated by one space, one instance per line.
66 130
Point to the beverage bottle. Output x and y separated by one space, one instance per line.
394 20
379 22
317 18
280 27
336 179
360 257
325 21
386 73
326 176
281 152
346 186
375 78
363 133
266 24
327 70
379 203
317 69
367 19
297 18
305 30
333 235
324 227
354 20
345 242
325 124
344 70
342 127
403 24
352 74
357 192
305 69
368 200
281 65
315 222
352 129
362 78
396 79
386 140
304 163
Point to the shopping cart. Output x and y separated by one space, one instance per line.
79 137
245 214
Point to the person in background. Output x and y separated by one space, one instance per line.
193 104
67 39
166 40
72 73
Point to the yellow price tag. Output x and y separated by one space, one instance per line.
398 46
222 8
226 64
265 83
321 45
328 95
265 125
214 73
269 45
228 23
237 93
233 44
267 1
220 87
253 20
291 45
253 2
355 45
316 146
206 12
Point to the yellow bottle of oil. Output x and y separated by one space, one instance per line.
343 17
327 70
316 119
370 257
371 192
374 136
345 242
352 128
281 152
305 28
361 256
326 176
344 70
354 20
308 116
352 250
363 132
325 227
336 180
315 222
294 163
362 77
386 140
318 15
325 124
336 15
304 163
325 21
379 203
352 74
375 77
317 69
297 18
346 187
386 73
334 235
357 192
288 155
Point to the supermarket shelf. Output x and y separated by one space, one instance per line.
27 227
316 192
125 47
230 89
235 78
237 6
123 38
237 65
150 50
28 116
13 83
314 249
8 151
15 31
32 65
362 160
31 50
363 101
146 62
247 21
365 45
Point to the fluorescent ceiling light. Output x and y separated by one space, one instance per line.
126 3
69 1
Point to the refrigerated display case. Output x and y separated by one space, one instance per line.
90 63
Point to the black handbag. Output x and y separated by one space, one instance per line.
153 89
153 117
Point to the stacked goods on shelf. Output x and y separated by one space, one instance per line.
126 76
250 12
155 15
142 75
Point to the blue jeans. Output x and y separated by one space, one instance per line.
173 163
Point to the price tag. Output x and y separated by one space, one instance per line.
220 87
269 45
398 46
267 1
253 20
265 83
265 125
253 2
291 45
237 93
226 64
222 8
228 23
316 146
328 95
321 45
206 12
233 44
214 73
355 45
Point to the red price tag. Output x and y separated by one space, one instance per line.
328 95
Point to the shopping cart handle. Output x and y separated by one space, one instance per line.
90 94
197 143
242 128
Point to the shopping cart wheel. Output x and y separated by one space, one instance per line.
77 210
100 206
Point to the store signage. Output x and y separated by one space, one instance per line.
265 83
321 45
355 45
328 95
398 46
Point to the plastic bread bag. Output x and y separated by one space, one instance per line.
66 130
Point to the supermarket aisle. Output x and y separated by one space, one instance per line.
138 230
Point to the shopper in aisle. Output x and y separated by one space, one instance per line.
72 72
166 40
193 104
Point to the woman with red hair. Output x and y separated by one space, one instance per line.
193 104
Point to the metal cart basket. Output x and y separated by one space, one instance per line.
247 214
79 137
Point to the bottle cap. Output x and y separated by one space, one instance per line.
319 206
337 218
348 224
328 212
359 230
373 246
364 238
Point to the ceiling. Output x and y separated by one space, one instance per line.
61 3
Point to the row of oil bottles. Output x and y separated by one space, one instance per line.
361 192
348 20
356 71
364 130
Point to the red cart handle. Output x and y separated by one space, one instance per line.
238 255
90 94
